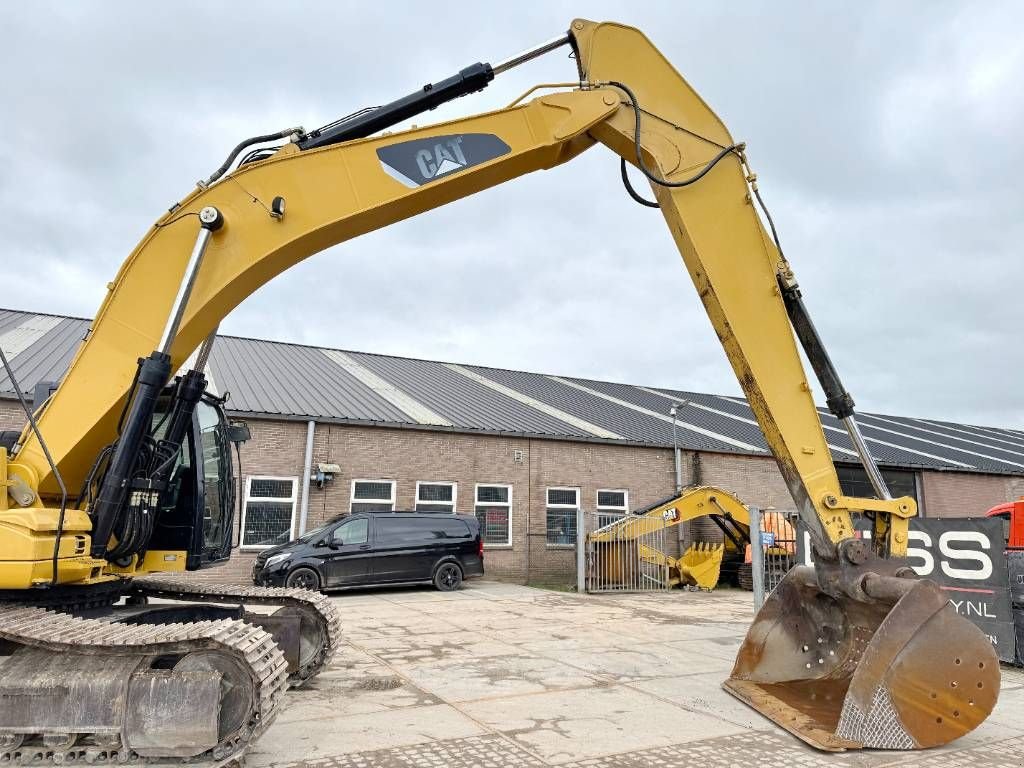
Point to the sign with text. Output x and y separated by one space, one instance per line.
966 557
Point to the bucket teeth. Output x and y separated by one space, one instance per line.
701 564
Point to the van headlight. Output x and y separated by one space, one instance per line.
275 559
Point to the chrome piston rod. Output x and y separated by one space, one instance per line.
210 221
870 467
530 54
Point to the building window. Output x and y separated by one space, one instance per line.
562 508
268 516
373 496
494 512
853 481
435 497
611 506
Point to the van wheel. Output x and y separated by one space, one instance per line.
448 577
303 578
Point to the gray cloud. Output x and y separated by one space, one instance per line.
885 136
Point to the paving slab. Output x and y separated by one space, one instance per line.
499 675
566 726
703 693
469 678
307 742
641 661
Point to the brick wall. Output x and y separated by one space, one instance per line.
529 466
406 456
959 494
11 415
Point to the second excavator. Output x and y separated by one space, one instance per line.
122 471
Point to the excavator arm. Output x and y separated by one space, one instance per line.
336 191
232 235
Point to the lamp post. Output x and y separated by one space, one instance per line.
673 411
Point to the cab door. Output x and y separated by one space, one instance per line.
347 553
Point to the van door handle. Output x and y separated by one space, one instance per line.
364 546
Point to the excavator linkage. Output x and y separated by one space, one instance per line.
846 674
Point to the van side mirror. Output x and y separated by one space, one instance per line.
333 543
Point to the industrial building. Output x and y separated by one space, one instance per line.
335 431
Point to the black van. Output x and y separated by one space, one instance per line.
368 548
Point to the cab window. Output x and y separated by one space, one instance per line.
352 532
215 468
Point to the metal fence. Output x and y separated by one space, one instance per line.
624 554
772 553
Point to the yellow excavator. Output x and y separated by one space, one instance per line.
123 471
628 552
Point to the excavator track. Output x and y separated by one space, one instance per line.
74 689
320 632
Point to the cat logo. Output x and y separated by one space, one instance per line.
446 157
421 161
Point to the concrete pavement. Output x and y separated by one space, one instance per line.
498 675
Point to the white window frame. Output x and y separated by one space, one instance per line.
508 504
352 493
548 505
453 502
280 500
607 511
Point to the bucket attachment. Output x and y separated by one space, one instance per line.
901 671
700 565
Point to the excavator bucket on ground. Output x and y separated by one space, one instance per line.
700 565
902 671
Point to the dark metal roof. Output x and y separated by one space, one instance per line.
48 352
293 381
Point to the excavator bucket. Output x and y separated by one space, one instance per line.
844 674
700 565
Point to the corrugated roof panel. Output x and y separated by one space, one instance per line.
894 451
48 358
679 423
292 380
732 428
1002 449
405 403
630 424
10 318
835 434
26 333
461 400
589 427
946 446
1002 437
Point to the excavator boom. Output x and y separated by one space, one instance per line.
239 229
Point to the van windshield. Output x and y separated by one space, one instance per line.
313 534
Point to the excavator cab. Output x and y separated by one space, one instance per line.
197 509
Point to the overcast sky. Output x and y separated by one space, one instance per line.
886 136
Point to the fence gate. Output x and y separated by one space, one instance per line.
771 561
622 554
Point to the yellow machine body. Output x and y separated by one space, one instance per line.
339 192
